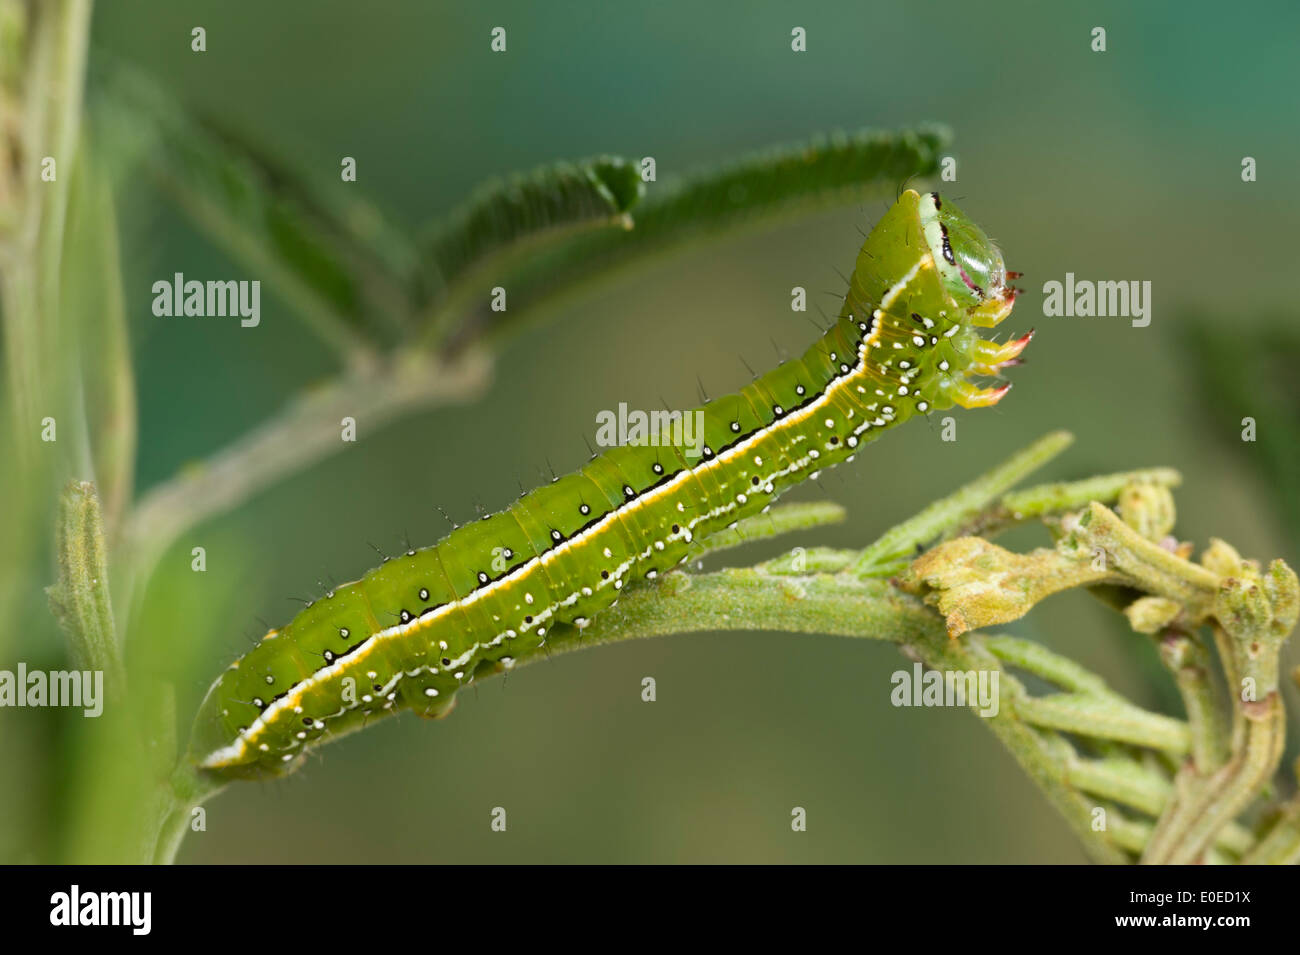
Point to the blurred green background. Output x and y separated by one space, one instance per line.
1117 165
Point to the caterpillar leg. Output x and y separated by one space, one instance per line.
990 357
992 311
969 396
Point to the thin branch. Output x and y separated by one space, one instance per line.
897 546
303 433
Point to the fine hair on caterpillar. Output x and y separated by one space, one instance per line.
423 624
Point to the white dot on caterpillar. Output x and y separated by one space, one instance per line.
584 509
657 468
799 389
830 422
952 331
918 341
902 389
758 462
460 674
263 747
482 577
528 598
270 680
943 365
922 406
257 701
430 692
424 593
852 442
735 426
607 552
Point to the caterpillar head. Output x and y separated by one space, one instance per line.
969 264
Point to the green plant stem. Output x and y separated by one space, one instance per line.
1187 660
891 552
80 598
1088 715
31 249
781 519
1017 507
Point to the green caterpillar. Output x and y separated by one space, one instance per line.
416 629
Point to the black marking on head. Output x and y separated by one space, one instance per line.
937 203
947 246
